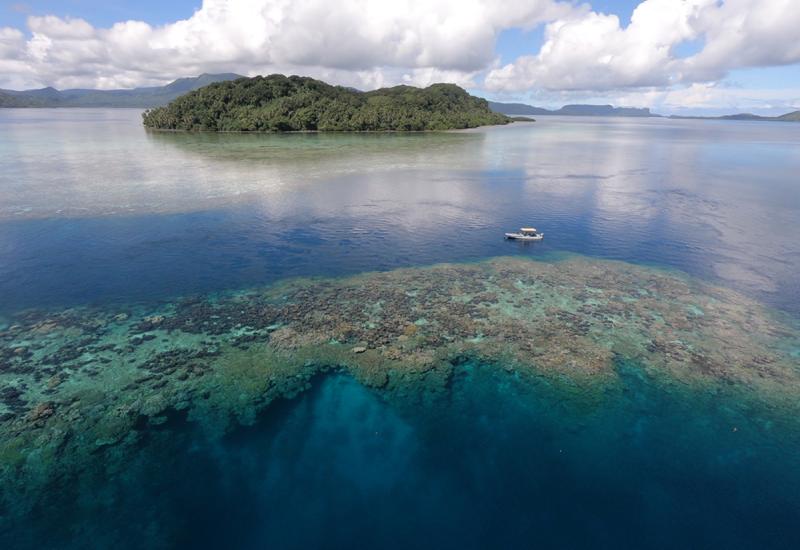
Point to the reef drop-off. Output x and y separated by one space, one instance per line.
83 390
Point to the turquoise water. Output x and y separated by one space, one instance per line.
94 211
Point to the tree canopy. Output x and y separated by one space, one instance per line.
278 103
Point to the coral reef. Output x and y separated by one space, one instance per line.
78 382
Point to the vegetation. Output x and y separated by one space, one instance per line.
8 100
278 103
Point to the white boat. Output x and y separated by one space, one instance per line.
526 234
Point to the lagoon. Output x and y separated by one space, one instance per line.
94 207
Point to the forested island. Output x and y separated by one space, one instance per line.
278 103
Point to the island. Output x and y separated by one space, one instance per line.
794 116
523 109
150 97
279 103
569 110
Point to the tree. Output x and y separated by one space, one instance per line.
278 103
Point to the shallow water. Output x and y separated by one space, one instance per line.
185 409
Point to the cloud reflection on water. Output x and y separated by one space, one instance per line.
718 199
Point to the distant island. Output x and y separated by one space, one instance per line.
153 96
279 103
516 109
794 116
568 110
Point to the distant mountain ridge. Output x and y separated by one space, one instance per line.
794 116
569 110
610 110
152 96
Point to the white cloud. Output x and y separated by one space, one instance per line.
12 42
745 33
592 51
721 99
586 56
18 73
407 39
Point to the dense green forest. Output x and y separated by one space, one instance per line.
278 103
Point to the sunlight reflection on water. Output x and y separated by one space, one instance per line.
716 199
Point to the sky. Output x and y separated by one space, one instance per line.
673 56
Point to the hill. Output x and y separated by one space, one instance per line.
602 110
138 97
790 117
569 110
794 116
278 103
517 109
10 100
609 110
743 116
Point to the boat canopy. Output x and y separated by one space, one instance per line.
528 229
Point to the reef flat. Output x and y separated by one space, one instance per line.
81 387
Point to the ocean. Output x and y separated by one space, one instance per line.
323 341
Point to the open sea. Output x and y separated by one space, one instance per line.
101 219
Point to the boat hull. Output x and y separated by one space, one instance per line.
519 237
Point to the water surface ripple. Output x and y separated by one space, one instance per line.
93 208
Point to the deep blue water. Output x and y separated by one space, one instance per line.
494 464
93 210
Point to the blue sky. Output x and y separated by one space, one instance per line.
98 13
762 76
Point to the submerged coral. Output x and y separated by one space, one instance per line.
77 382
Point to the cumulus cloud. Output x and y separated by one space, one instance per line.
373 43
11 43
745 33
713 97
593 51
12 64
407 39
